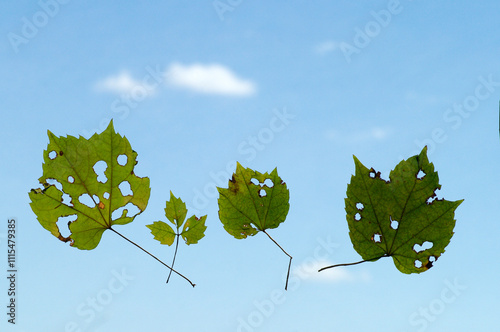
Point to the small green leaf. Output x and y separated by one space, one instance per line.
194 229
400 218
249 205
70 161
162 232
175 211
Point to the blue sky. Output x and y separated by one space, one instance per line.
298 85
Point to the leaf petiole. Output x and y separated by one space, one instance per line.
150 254
175 254
289 263
355 263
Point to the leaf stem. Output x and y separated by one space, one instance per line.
175 254
147 252
289 263
349 264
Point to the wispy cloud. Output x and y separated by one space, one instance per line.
326 47
374 133
309 271
209 79
124 83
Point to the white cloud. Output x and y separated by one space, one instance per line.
209 79
309 271
374 133
326 47
124 83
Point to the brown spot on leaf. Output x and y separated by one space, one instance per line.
61 153
101 205
64 239
233 185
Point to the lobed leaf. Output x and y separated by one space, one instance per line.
400 218
162 232
194 229
249 205
175 211
254 202
97 204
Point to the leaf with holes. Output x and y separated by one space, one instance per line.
400 218
252 203
95 203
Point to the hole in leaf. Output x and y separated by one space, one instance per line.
86 200
125 188
63 224
55 183
132 211
377 238
99 169
262 193
66 199
431 261
105 195
373 174
360 206
269 183
419 248
52 155
71 179
431 199
96 199
394 223
418 264
255 181
420 175
122 160
357 216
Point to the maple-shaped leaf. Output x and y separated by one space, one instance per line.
192 231
252 203
96 203
400 218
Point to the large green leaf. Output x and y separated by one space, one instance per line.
400 218
70 161
249 205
